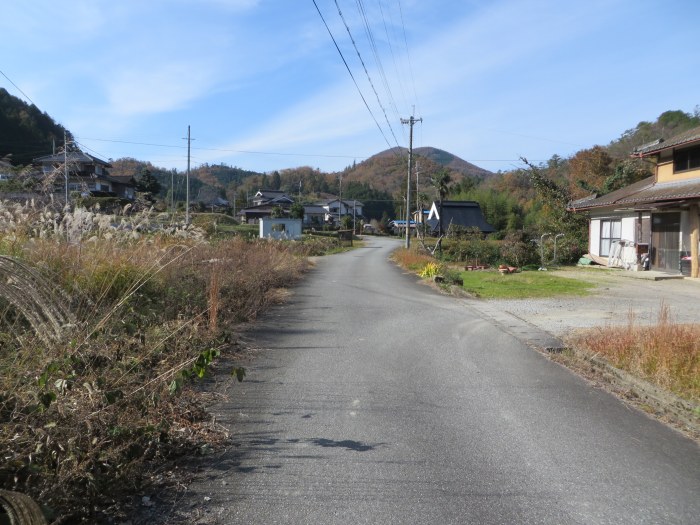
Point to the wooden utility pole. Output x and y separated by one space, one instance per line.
65 164
187 189
410 121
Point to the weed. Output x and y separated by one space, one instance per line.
666 353
136 313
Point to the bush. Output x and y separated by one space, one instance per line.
89 409
518 250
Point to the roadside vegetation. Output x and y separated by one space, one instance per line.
667 354
106 322
489 283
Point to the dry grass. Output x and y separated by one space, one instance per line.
412 259
85 416
666 354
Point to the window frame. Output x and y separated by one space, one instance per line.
689 158
607 241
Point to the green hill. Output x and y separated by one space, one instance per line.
25 131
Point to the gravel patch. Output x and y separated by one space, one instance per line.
616 298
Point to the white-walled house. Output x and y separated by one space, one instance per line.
86 174
336 208
658 217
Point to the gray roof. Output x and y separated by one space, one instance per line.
692 135
313 209
348 203
644 193
463 213
72 156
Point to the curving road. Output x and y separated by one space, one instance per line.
373 399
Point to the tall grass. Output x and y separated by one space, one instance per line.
87 414
666 354
412 259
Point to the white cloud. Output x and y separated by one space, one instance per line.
157 88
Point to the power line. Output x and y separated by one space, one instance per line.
252 152
393 56
18 88
377 57
369 78
408 55
351 75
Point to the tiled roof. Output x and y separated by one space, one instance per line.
72 156
314 209
692 135
642 193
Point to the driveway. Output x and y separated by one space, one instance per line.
618 297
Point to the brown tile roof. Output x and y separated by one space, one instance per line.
692 135
642 194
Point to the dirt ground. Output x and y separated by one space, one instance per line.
618 297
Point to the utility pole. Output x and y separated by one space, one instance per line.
65 163
410 121
187 191
340 197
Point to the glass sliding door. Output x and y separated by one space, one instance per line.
665 240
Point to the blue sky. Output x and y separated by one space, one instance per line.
263 87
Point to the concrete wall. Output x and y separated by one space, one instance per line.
280 228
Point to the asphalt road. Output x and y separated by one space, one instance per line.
374 399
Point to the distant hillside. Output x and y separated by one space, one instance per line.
441 157
25 131
386 171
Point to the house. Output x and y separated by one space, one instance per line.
314 216
336 208
272 197
210 198
398 226
264 201
87 174
466 214
657 217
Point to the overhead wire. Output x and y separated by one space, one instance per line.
350 72
408 55
369 78
399 76
226 150
377 57
16 86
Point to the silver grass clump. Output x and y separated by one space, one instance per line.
41 303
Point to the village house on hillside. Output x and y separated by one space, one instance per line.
335 209
264 201
654 223
87 174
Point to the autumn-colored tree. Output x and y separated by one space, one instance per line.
588 170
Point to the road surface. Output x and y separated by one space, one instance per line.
373 399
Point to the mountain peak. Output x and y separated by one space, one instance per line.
441 157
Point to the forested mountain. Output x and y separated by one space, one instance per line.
25 131
524 199
511 200
439 158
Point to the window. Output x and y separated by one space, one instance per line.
609 235
686 159
279 228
